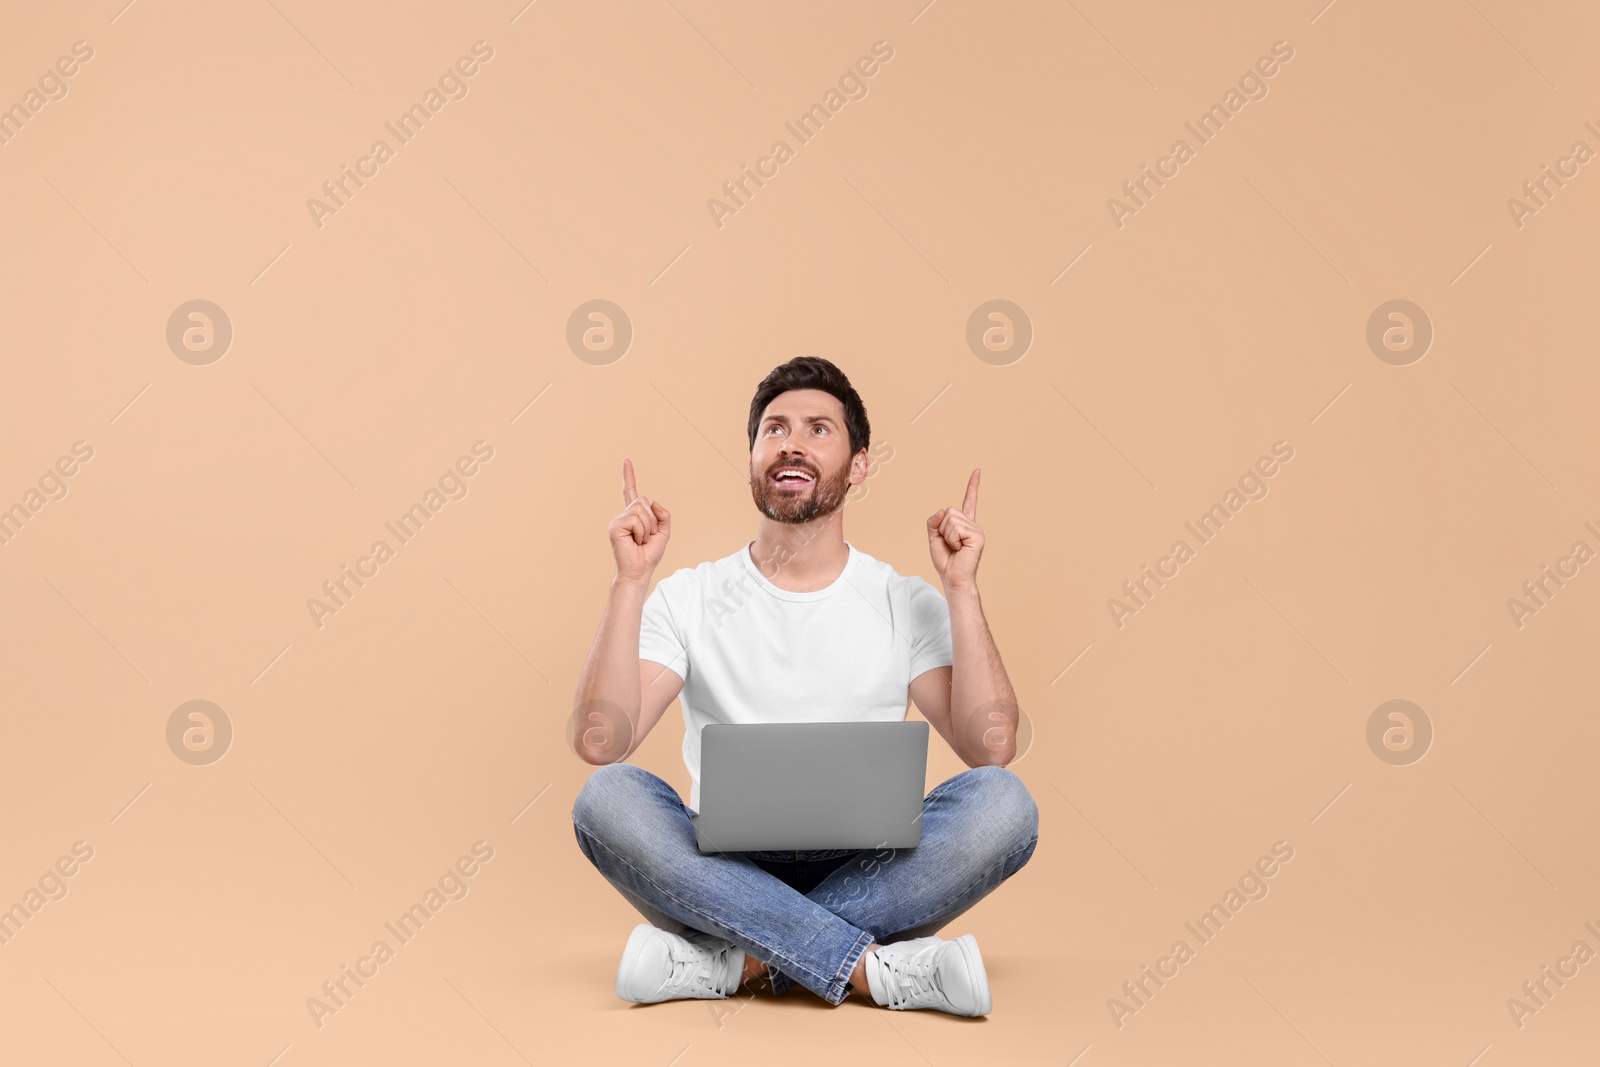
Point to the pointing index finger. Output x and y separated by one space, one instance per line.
969 507
630 492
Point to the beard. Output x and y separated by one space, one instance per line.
823 496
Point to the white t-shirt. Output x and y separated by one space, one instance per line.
749 651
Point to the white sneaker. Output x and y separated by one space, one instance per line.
930 972
658 965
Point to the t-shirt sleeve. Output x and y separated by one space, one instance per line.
661 636
930 629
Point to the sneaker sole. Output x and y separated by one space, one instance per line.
967 945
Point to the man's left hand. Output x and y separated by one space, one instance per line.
955 540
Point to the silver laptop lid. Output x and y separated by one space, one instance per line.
811 785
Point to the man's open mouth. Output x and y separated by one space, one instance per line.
792 477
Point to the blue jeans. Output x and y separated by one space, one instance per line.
809 914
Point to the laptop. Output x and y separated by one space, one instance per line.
811 785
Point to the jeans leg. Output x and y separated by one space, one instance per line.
635 829
803 871
978 829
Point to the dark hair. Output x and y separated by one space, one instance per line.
813 372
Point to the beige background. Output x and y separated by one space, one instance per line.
430 312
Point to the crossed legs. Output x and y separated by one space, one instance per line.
978 828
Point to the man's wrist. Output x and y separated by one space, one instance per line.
630 585
967 590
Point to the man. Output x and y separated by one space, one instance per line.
799 625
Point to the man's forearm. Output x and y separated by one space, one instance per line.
983 706
609 681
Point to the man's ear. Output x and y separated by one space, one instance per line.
859 466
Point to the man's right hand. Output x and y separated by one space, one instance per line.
639 532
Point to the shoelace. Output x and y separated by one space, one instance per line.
912 977
700 968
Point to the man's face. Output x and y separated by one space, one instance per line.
801 466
